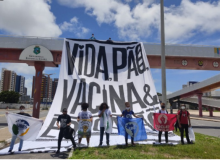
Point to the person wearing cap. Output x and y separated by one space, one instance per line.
184 122
163 111
92 38
65 121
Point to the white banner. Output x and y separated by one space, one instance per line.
95 72
26 128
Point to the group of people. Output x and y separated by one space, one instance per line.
108 40
104 111
183 123
64 120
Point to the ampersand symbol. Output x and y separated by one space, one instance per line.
147 93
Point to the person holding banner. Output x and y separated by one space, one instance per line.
105 122
85 123
65 121
92 38
22 109
163 111
184 123
127 113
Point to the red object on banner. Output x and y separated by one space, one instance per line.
164 122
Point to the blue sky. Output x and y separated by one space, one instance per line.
186 22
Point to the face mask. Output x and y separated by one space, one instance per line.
22 110
128 108
182 107
163 107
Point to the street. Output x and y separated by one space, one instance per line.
206 127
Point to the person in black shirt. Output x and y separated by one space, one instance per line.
65 121
22 108
110 40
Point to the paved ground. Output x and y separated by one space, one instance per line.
206 127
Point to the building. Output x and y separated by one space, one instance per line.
8 81
25 99
54 87
46 88
25 91
20 82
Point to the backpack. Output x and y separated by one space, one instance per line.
160 111
68 132
181 114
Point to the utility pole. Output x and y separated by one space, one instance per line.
163 60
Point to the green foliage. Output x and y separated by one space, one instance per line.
206 147
9 97
15 129
159 94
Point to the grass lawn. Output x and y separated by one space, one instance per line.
206 147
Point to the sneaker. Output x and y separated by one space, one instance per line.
100 145
88 145
108 144
9 150
182 143
190 142
126 144
57 152
133 144
19 150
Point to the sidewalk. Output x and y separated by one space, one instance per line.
194 114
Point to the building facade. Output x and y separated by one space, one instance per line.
46 88
25 91
20 82
54 87
8 80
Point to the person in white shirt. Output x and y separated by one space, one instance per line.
84 115
104 109
163 111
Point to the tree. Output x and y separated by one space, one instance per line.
159 94
9 97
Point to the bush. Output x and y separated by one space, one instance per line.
9 97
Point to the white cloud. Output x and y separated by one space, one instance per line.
28 18
181 22
169 92
19 68
28 85
75 27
